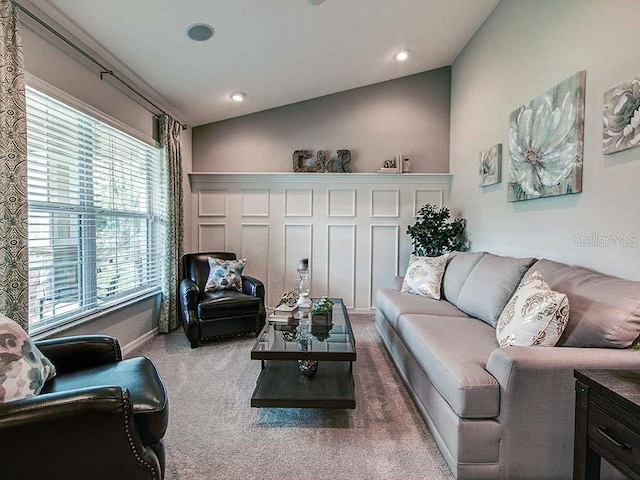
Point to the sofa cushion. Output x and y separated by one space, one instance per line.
490 285
453 352
458 269
424 276
393 304
605 310
535 315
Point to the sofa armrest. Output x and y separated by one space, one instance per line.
537 402
97 429
82 351
253 286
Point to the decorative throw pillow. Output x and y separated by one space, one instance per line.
424 276
224 274
23 368
535 315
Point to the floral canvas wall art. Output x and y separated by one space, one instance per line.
491 165
621 121
546 142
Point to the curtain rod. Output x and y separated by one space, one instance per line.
103 69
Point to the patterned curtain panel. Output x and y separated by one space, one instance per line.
13 170
170 134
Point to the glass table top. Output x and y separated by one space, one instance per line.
311 338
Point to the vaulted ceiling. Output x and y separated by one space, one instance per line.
276 51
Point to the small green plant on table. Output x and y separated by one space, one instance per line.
322 306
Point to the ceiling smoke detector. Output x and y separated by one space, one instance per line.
200 32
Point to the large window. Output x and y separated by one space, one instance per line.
95 212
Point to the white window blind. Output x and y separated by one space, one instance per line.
96 207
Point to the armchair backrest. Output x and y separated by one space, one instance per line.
196 265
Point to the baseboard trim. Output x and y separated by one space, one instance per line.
138 342
361 310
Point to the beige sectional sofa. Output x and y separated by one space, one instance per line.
505 413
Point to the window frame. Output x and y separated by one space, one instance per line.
99 308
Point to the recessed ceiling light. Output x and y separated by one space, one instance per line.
401 55
238 96
200 32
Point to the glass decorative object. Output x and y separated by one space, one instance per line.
308 368
304 302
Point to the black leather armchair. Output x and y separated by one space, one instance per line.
100 417
207 315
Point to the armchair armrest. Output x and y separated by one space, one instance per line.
83 351
189 298
189 294
537 402
49 407
100 439
253 286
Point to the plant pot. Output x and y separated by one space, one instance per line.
320 319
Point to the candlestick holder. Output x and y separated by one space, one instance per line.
304 302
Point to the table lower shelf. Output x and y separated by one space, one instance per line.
281 384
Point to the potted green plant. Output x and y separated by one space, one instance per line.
434 233
321 318
321 309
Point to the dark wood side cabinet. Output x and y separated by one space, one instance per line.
607 424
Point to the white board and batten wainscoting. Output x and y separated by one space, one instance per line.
351 226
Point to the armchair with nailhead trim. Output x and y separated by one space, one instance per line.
219 314
223 313
100 417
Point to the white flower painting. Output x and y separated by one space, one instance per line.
621 128
546 142
490 165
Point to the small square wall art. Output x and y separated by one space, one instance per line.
546 142
621 121
491 165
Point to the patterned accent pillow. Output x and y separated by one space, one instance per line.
535 315
424 276
23 368
225 274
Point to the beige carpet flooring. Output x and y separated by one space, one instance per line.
215 434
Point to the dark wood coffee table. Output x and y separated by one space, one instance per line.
282 384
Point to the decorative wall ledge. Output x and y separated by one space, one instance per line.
342 178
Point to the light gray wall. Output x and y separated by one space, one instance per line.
523 49
126 324
407 116
45 60
190 243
